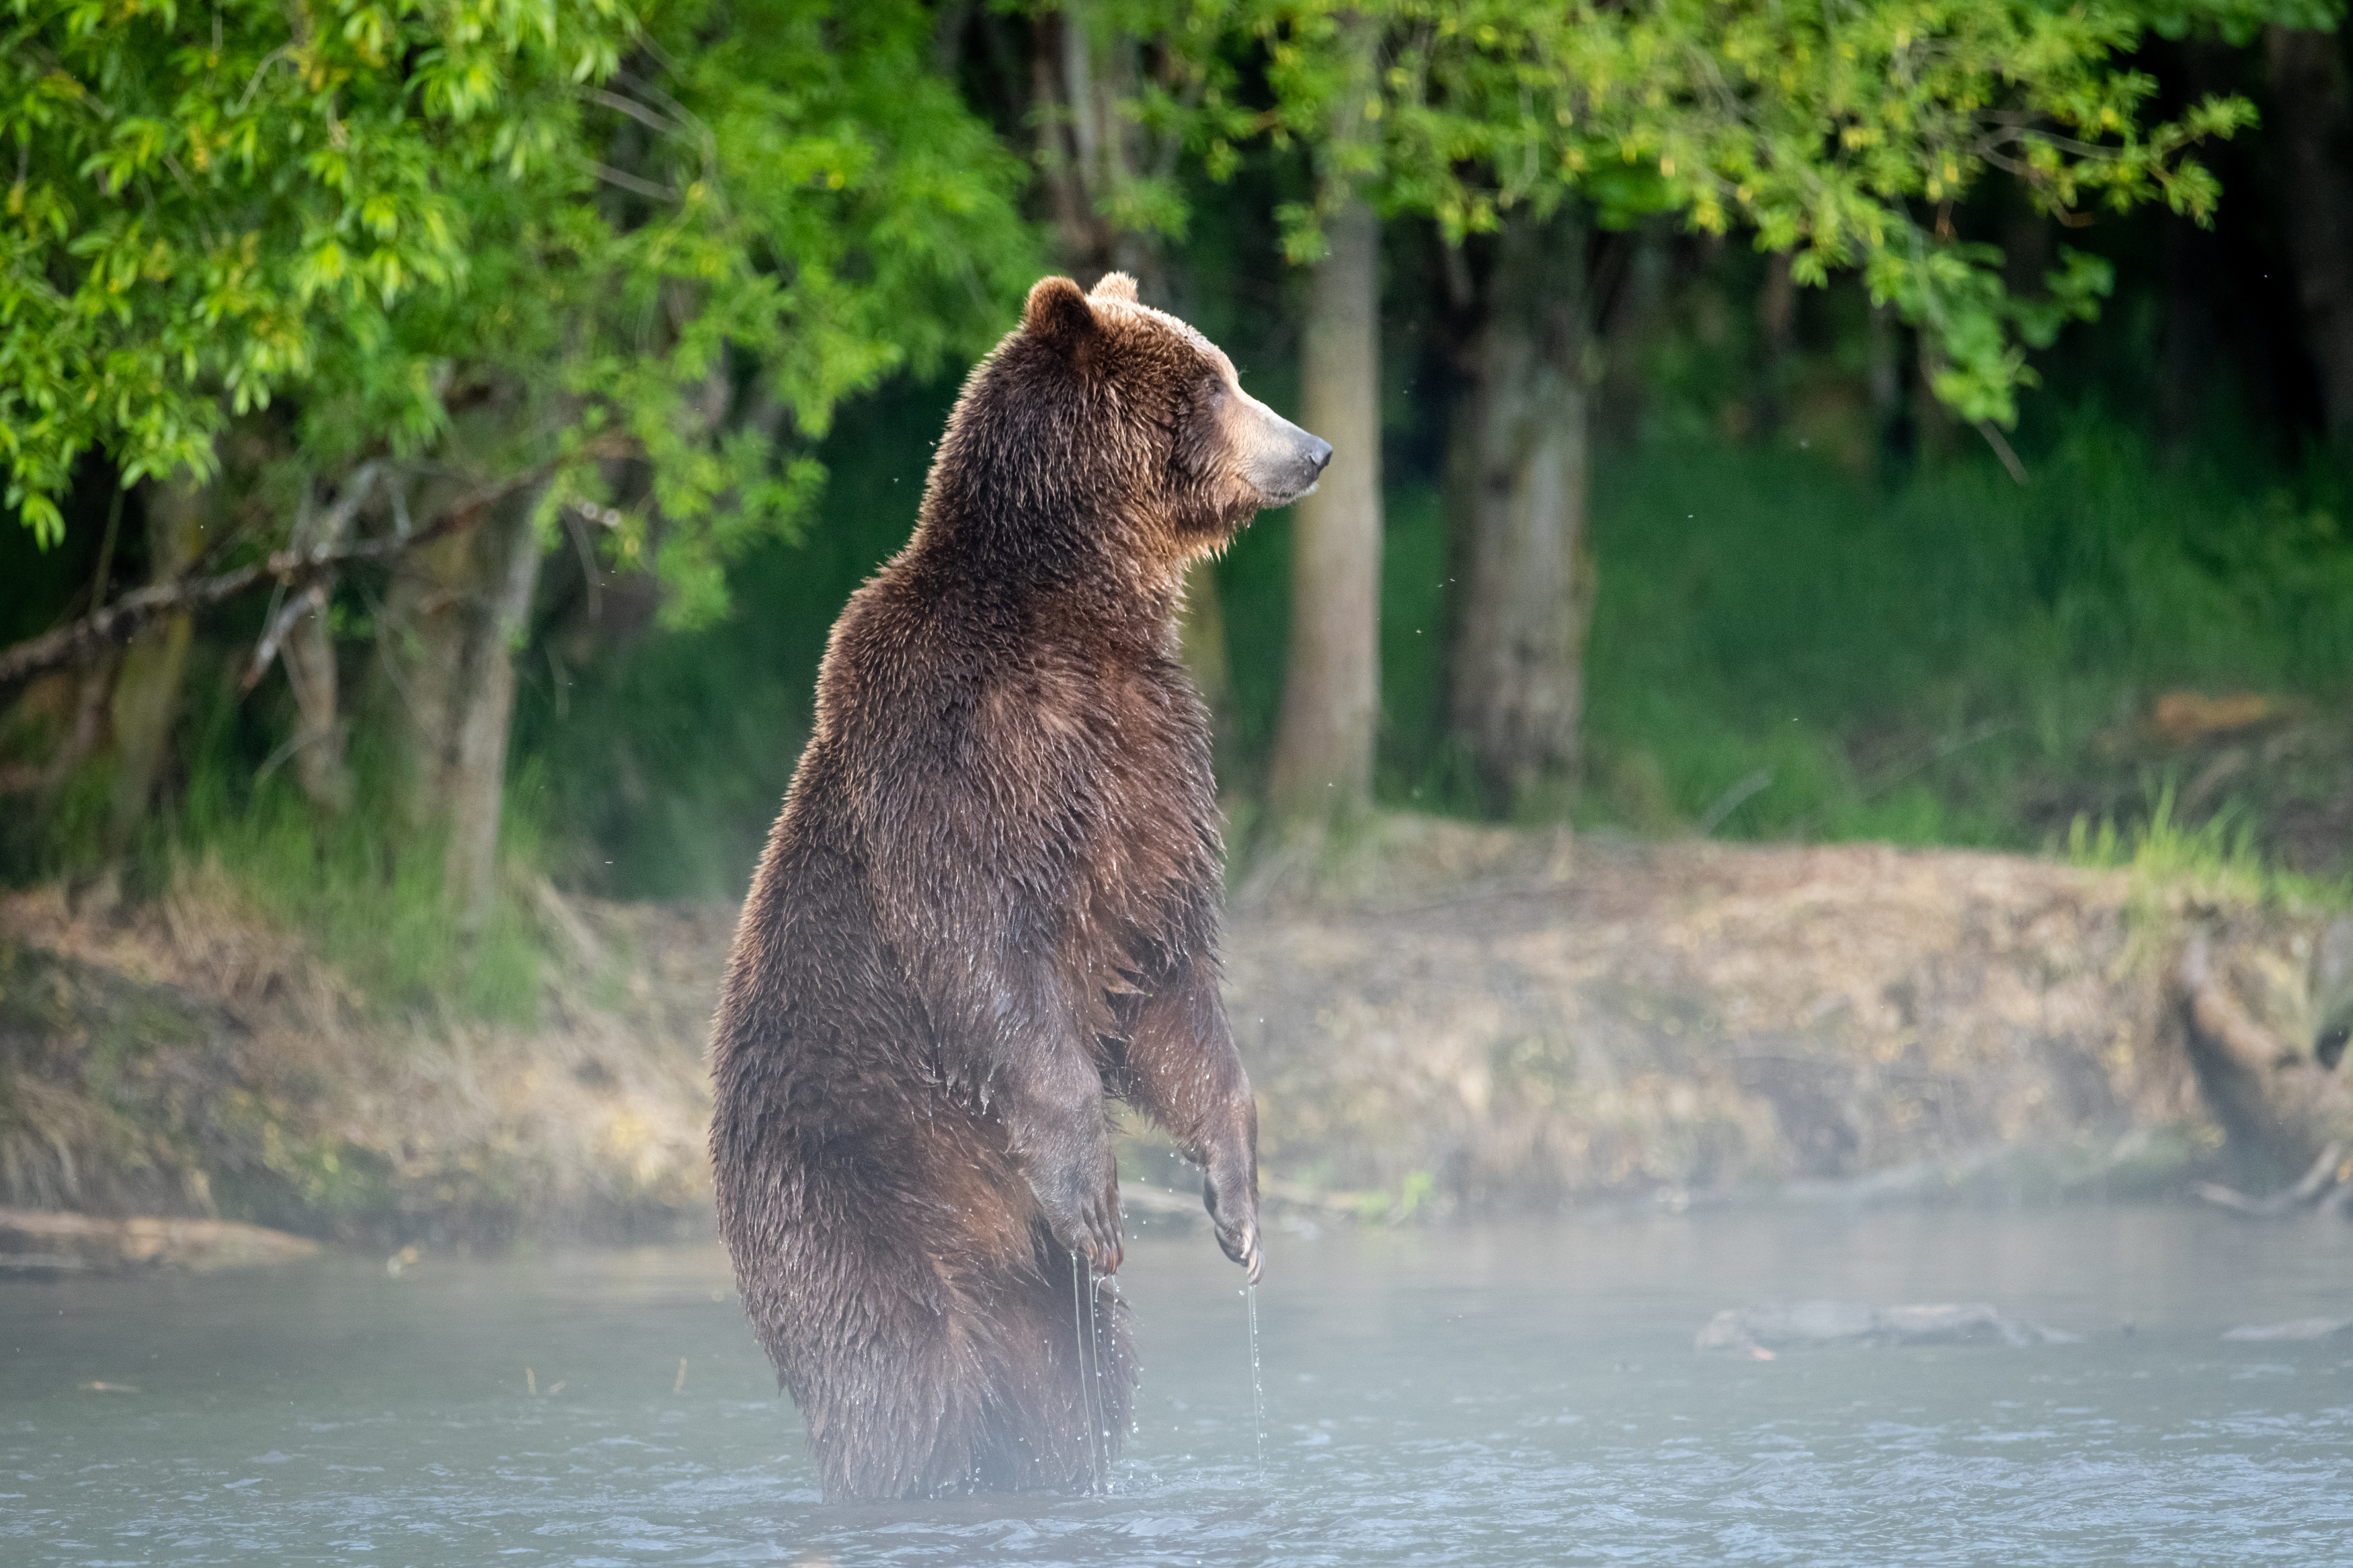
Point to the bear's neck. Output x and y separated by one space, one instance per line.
1092 570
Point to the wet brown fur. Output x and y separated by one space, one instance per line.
992 896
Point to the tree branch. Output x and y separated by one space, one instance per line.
2220 1023
265 653
626 181
2315 1187
650 119
292 567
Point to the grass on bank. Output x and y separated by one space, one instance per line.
373 907
367 896
1960 661
2217 862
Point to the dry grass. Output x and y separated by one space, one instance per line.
328 1113
1434 1015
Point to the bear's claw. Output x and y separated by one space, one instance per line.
1088 1227
1242 1246
1236 1218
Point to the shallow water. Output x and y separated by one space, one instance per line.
1483 1395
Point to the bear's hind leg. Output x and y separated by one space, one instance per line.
886 1356
1062 1378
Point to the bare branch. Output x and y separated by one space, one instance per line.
265 652
2317 1184
283 52
628 182
291 567
2001 449
650 119
2220 1023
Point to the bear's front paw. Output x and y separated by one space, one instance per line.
1229 1191
1083 1212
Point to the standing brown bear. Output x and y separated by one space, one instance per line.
991 899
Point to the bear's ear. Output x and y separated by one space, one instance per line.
1115 286
1058 316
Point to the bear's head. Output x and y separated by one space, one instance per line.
1102 423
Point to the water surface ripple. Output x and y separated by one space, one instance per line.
1489 1394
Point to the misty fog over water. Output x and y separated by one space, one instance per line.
1494 1394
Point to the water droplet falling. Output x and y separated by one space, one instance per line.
1258 1382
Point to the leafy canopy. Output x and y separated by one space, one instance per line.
1842 132
502 237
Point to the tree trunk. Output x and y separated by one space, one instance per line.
1083 71
1517 498
1936 428
147 679
453 614
1883 357
2186 339
1090 152
1777 343
1331 695
308 656
310 660
2314 124
94 690
1201 635
1633 313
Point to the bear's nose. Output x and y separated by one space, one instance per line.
1319 453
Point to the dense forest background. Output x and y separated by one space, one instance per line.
1816 593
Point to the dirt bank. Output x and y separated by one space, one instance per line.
189 1059
1692 1020
1458 1019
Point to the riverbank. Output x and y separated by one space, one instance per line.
1690 1023
1440 1019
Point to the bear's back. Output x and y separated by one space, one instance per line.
976 750
1050 737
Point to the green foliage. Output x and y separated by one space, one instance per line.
832 214
522 239
1960 661
207 203
1840 133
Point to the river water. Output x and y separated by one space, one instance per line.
1487 1394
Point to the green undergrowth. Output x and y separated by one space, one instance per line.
2217 862
365 897
1782 651
372 906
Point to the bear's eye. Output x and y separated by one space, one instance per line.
1198 425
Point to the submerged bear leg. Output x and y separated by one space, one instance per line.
1062 1380
877 1350
938 1341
